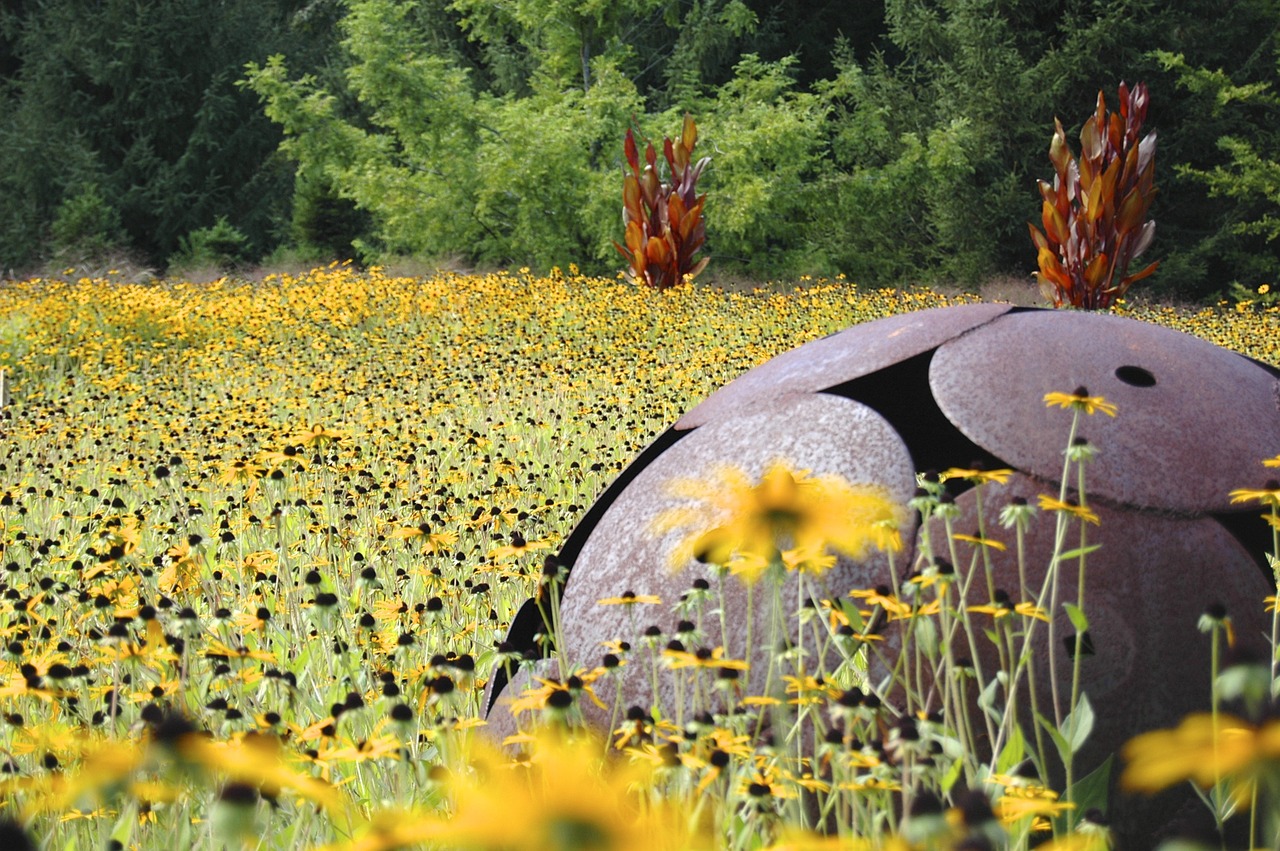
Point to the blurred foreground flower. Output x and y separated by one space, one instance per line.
564 796
1205 751
788 516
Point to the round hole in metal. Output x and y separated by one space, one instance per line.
1136 376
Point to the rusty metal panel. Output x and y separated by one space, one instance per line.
841 357
1195 420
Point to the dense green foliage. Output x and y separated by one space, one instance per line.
888 141
121 124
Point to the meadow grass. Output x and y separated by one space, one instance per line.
261 542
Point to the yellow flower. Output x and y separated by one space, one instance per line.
1026 609
547 694
748 567
808 561
518 547
373 748
1080 400
785 511
881 597
976 476
677 659
1034 802
241 472
978 540
809 690
563 797
1203 752
392 830
1048 503
256 759
929 609
1272 462
218 650
317 435
1268 494
631 598
438 541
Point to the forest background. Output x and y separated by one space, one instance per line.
893 142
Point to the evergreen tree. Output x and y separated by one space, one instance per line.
137 105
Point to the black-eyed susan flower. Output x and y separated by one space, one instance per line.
631 598
1080 400
734 516
1204 749
1268 494
975 475
1017 514
704 657
1080 512
558 696
1036 803
979 540
808 690
518 547
434 540
392 829
317 435
241 472
562 798
1003 609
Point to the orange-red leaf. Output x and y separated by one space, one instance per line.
633 155
1138 276
1096 272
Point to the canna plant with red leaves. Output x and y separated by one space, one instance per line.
1094 214
663 220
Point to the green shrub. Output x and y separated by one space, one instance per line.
767 142
85 226
222 246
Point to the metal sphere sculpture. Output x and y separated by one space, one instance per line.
958 387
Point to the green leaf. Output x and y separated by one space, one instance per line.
123 830
1059 740
925 636
1079 551
988 696
1078 618
953 774
1093 790
1013 752
987 699
1078 724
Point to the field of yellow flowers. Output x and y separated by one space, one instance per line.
260 542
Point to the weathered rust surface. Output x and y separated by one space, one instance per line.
1181 443
840 357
